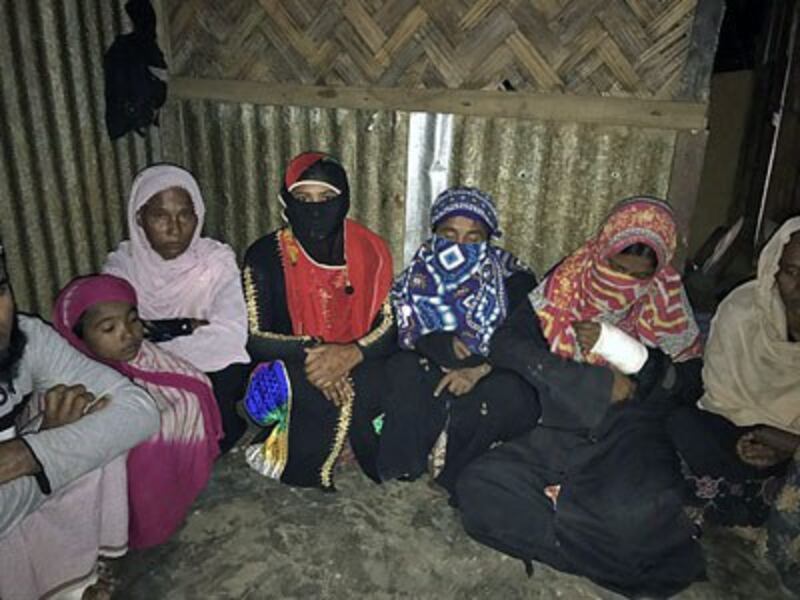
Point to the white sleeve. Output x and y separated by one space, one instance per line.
18 498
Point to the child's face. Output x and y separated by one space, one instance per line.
113 331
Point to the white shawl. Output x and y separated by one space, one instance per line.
752 370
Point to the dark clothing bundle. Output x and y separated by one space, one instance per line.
729 491
596 488
133 93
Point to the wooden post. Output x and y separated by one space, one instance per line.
696 76
684 183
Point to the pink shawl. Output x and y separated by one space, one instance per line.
202 283
177 461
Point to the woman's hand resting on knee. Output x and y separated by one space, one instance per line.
766 447
462 381
330 363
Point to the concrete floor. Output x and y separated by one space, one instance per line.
249 537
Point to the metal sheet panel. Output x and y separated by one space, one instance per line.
238 152
554 182
62 182
430 145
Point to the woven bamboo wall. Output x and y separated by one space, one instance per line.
627 48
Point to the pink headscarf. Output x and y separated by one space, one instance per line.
162 283
80 295
202 283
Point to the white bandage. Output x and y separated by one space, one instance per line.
619 349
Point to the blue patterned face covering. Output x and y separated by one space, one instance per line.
453 287
453 260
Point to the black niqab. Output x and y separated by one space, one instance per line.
319 226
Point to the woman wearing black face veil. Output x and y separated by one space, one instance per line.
318 314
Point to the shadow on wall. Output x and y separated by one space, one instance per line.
731 99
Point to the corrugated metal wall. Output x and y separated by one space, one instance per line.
554 182
62 182
238 152
540 173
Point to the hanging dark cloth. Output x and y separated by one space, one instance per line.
133 93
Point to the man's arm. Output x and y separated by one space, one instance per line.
18 498
67 452
16 460
19 495
62 406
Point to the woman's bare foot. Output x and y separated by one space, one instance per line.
98 591
103 588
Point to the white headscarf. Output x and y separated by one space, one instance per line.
752 370
202 283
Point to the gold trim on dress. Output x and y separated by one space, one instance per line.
342 429
384 326
254 319
292 245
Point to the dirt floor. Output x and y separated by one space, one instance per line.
250 537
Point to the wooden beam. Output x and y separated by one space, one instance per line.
696 75
658 114
684 184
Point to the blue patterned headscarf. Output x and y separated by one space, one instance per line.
458 288
466 202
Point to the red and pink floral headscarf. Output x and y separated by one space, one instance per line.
583 287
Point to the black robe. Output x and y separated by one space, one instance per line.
500 407
618 516
318 429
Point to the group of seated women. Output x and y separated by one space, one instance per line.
570 421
